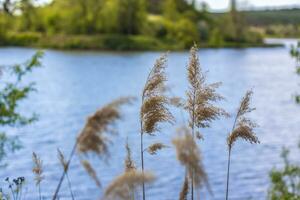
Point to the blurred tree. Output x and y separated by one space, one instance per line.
238 22
285 183
170 11
131 16
28 14
12 92
7 6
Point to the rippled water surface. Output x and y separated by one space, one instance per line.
72 85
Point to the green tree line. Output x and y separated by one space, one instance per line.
172 24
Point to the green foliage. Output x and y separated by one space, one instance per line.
273 17
176 24
170 10
295 53
131 16
285 182
11 94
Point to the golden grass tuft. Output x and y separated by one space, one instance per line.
91 172
243 127
154 148
200 95
189 156
62 160
92 138
37 168
121 187
129 163
154 102
244 130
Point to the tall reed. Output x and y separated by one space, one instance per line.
200 99
243 128
154 105
38 172
93 139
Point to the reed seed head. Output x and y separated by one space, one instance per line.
37 168
129 163
201 96
244 128
189 156
91 172
154 101
92 138
121 187
154 148
62 160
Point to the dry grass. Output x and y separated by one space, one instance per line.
201 95
91 172
189 156
92 138
38 172
154 108
62 160
121 187
243 127
37 168
129 163
154 148
154 102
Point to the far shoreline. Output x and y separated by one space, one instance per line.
117 43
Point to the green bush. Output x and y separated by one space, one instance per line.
22 39
285 183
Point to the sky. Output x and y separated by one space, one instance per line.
224 4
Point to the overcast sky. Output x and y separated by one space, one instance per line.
224 4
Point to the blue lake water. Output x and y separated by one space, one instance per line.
72 85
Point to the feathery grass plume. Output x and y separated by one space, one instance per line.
90 170
243 128
64 164
154 104
129 163
189 156
120 188
200 99
92 138
38 171
185 189
154 148
201 95
129 166
62 160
